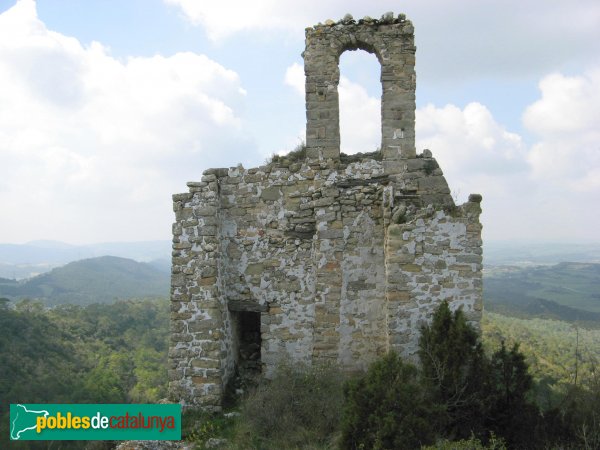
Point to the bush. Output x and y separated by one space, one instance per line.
387 408
468 444
454 371
510 414
576 420
301 406
296 155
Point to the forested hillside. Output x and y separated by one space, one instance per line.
565 291
559 353
95 354
95 280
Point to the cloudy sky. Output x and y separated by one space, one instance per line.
109 107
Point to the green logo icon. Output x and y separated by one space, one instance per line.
23 420
95 422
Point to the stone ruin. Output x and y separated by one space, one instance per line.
319 256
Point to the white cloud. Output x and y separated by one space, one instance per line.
566 120
542 191
569 104
223 18
477 155
469 139
294 77
94 146
360 118
457 40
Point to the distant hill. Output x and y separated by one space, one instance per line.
94 280
36 257
162 265
566 291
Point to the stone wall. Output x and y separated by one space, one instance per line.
391 39
435 255
333 258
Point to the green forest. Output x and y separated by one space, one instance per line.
118 353
81 354
556 351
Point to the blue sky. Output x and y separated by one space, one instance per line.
109 107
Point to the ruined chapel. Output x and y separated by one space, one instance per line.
319 256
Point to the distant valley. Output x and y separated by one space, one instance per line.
566 291
496 253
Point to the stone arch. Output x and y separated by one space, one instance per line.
350 44
360 121
393 45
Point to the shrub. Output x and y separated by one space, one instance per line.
469 444
301 406
454 372
386 408
200 427
511 415
296 155
576 420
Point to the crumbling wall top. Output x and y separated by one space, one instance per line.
391 39
386 19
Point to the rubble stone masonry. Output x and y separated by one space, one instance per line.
336 258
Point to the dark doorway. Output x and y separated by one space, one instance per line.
247 333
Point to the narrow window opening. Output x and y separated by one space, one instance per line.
360 102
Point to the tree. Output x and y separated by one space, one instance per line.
387 408
454 371
511 415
